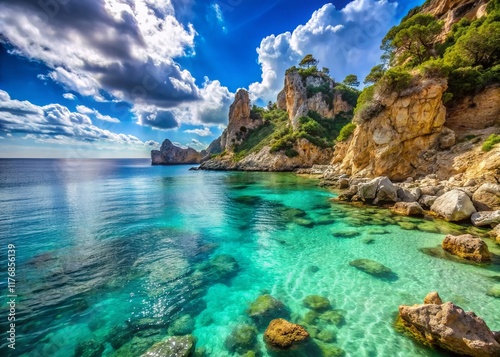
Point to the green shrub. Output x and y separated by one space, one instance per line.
365 97
350 95
434 69
291 153
307 72
396 79
492 140
346 132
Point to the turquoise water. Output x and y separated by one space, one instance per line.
110 253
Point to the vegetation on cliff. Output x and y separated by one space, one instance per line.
468 56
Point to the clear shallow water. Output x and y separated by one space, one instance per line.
111 252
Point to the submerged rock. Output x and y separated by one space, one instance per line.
449 327
433 298
371 267
317 303
326 336
266 308
243 338
284 335
220 267
494 291
89 348
303 222
467 247
184 325
454 206
176 346
346 234
332 317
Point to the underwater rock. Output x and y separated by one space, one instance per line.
326 336
368 240
486 218
89 348
290 213
284 335
329 350
220 267
266 308
248 200
324 222
317 303
467 247
312 269
494 291
310 317
433 298
303 222
184 325
333 317
453 206
371 267
118 336
377 231
346 234
243 338
176 346
408 209
449 327
428 227
136 347
408 226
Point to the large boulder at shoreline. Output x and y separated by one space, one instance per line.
467 247
408 209
409 194
283 335
177 346
169 154
266 308
378 190
488 218
487 197
449 327
453 206
426 201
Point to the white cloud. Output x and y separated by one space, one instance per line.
55 123
340 40
201 132
95 113
69 96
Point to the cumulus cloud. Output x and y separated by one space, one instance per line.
200 132
95 113
124 48
69 96
55 123
339 39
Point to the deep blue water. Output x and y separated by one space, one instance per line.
114 255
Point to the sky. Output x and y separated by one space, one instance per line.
114 78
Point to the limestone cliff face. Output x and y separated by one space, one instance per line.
263 160
295 100
169 154
479 111
240 122
452 11
396 139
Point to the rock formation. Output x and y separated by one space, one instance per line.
283 335
396 138
179 346
240 122
169 154
467 247
449 327
454 205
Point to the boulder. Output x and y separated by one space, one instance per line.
409 194
495 234
454 205
427 201
283 335
317 303
487 197
486 218
494 291
378 190
408 209
449 327
177 346
343 183
467 247
184 325
447 139
265 308
433 298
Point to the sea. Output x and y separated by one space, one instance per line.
114 255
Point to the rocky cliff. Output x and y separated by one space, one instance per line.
241 121
256 133
169 154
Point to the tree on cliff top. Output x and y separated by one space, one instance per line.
412 42
351 80
308 61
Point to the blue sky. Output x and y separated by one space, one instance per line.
114 78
